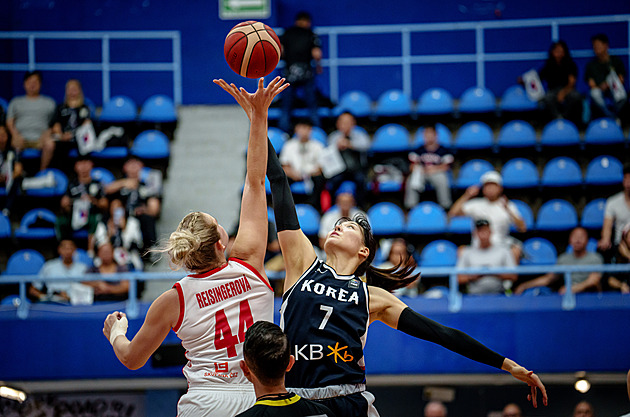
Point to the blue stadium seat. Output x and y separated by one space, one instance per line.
299 187
102 175
561 172
386 219
439 253
519 173
151 144
119 109
393 103
308 218
391 137
556 215
111 153
517 134
24 262
526 213
43 217
460 225
59 189
604 170
277 138
537 291
319 135
474 135
444 136
4 104
477 100
435 101
91 106
81 255
158 109
5 227
539 251
514 99
603 131
356 102
30 153
593 214
591 246
426 218
560 132
471 172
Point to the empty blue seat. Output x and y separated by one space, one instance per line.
517 134
560 132
151 144
24 262
426 218
356 102
102 175
393 103
439 253
119 109
519 173
604 170
444 136
5 227
277 138
435 101
593 214
474 135
113 152
158 109
460 225
561 172
391 137
57 190
81 255
37 223
604 131
526 213
386 219
556 215
30 153
515 99
299 187
471 172
308 218
477 100
539 251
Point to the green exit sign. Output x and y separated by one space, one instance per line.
244 9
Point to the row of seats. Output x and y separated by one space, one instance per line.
30 261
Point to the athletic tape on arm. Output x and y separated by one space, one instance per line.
119 328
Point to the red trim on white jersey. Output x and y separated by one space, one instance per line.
182 306
251 268
210 272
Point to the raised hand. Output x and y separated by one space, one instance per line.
261 99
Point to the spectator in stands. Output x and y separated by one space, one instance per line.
398 252
70 115
29 118
621 280
494 207
124 233
580 281
352 145
57 269
430 163
616 214
583 409
83 204
300 159
512 410
435 409
140 198
300 47
598 77
560 72
345 206
108 290
486 254
10 170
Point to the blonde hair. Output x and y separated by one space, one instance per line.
191 245
81 97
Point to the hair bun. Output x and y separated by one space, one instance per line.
182 243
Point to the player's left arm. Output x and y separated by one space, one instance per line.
390 310
161 317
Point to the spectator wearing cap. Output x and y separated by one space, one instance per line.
494 207
485 254
345 206
578 255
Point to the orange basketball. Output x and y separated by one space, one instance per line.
252 49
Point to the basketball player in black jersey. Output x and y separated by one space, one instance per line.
327 309
266 359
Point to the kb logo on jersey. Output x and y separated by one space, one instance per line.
314 352
354 283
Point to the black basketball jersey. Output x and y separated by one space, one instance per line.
326 316
288 405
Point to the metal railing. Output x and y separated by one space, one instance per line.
454 296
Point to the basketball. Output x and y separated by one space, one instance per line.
252 49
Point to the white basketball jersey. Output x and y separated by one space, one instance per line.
216 309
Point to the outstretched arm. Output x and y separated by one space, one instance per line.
390 310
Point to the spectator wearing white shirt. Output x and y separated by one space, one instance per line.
494 207
300 160
345 206
617 214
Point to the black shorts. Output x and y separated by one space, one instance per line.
359 404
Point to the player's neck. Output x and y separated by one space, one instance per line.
269 391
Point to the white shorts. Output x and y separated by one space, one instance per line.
216 400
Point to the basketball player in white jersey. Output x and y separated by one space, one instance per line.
212 308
